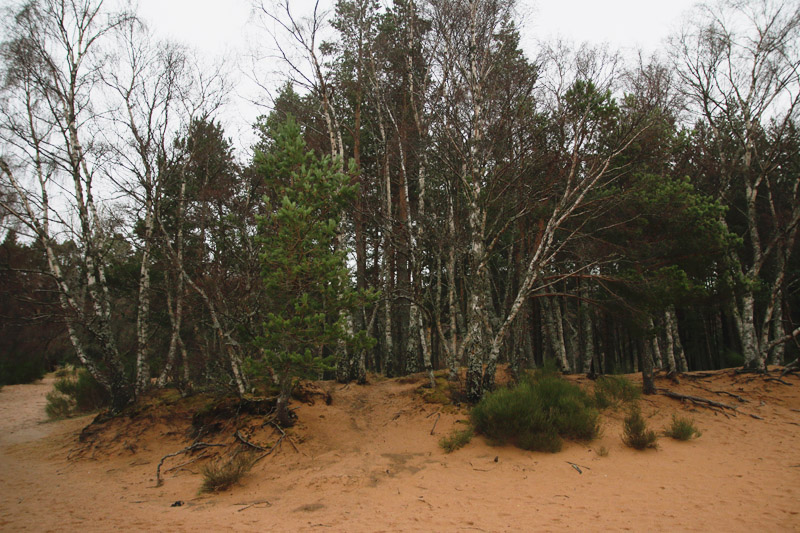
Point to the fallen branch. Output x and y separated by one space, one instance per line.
436 422
577 466
480 469
254 503
791 367
193 447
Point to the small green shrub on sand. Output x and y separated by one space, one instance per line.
682 429
536 414
75 392
635 433
602 451
457 439
611 390
220 476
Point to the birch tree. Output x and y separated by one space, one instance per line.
53 55
739 63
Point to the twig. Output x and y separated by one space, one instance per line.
252 504
577 466
436 422
480 469
193 447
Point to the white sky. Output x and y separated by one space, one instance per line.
215 25
220 27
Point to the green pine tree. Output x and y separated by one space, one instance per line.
305 277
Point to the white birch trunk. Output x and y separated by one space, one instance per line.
670 349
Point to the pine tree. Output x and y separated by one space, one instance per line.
305 278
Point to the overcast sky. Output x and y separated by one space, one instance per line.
213 25
217 27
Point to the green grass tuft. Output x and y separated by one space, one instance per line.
457 439
536 414
635 432
220 476
682 429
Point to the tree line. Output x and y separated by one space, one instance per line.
434 197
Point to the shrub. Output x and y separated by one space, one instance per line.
75 393
217 477
610 390
536 414
457 439
682 429
635 432
602 451
58 405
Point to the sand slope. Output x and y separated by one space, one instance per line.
368 462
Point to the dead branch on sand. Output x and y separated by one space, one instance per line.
436 422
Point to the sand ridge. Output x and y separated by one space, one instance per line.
368 462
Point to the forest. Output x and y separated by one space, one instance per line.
422 195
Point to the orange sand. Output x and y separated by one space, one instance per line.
368 462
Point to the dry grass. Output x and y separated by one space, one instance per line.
220 476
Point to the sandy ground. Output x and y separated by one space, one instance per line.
368 462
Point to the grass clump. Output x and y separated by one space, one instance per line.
611 390
602 451
220 476
635 433
536 414
75 392
457 439
682 429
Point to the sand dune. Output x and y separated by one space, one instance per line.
368 462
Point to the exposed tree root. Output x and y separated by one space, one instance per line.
704 402
695 399
195 446
246 442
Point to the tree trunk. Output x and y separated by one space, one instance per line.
676 339
669 329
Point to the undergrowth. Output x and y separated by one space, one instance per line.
611 390
457 439
537 414
635 433
220 476
75 392
682 429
